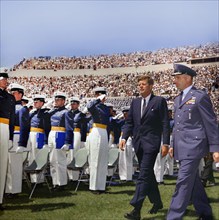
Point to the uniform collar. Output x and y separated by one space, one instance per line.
186 90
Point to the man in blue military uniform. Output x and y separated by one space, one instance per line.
98 141
195 133
37 136
21 135
7 117
56 141
73 120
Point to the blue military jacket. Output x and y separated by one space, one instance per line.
80 121
69 125
195 131
100 112
75 120
54 117
38 120
22 120
7 110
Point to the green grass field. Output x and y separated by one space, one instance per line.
84 205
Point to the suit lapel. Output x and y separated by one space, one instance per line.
138 108
149 105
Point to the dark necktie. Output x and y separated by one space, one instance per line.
180 97
144 106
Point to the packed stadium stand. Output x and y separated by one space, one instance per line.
77 76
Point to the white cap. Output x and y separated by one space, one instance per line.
60 94
3 75
24 98
100 90
74 99
15 87
39 97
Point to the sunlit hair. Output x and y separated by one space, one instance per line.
149 80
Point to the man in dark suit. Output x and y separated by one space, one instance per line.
147 122
195 133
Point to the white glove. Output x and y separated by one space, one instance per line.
65 147
10 145
45 146
101 97
85 110
119 116
20 149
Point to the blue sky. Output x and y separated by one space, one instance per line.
78 28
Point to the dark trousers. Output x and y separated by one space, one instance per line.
146 183
188 188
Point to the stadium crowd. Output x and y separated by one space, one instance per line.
134 59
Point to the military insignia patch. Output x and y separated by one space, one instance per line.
191 101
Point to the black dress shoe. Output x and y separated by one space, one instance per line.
11 195
58 188
155 208
133 215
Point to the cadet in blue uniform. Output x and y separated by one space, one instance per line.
73 134
56 141
37 137
98 141
195 133
7 118
21 134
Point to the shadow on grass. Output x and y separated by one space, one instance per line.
127 192
159 216
162 215
24 198
213 200
191 213
40 207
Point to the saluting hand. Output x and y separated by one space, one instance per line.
122 144
216 157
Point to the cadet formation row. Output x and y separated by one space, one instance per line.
63 131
